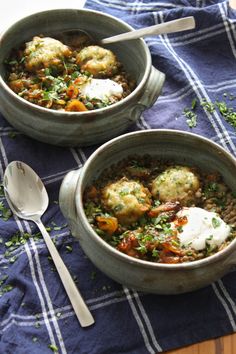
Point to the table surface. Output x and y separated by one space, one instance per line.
222 345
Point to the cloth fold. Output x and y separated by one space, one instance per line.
35 313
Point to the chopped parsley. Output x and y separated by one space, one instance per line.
53 347
5 213
194 104
215 222
5 289
3 279
228 113
69 249
191 117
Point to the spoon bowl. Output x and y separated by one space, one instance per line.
28 199
34 201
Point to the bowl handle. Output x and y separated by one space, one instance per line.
152 91
67 198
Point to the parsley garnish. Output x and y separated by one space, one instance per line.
6 289
5 212
228 113
191 117
69 249
215 222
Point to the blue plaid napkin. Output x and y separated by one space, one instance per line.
35 314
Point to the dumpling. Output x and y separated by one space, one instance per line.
98 61
45 52
176 183
127 199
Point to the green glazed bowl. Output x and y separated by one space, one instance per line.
181 147
79 128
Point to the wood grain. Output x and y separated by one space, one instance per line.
223 345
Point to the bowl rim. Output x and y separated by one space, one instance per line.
116 106
121 256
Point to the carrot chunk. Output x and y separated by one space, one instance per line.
76 106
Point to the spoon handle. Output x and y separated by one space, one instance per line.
82 312
181 24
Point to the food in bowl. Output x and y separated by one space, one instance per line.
73 76
161 212
78 128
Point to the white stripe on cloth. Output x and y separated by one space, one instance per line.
82 154
226 307
63 312
199 91
5 133
139 322
188 90
42 302
40 244
228 28
147 321
45 290
176 43
165 99
142 124
197 33
40 296
119 294
60 174
5 129
33 274
76 157
209 35
217 140
134 9
220 86
227 296
128 6
56 179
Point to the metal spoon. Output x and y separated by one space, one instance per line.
181 24
28 199
77 37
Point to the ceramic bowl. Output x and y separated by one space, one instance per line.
150 277
79 128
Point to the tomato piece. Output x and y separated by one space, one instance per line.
167 257
72 91
169 247
181 220
164 208
128 246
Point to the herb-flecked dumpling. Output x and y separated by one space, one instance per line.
45 52
127 199
176 183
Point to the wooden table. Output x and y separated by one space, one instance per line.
223 345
